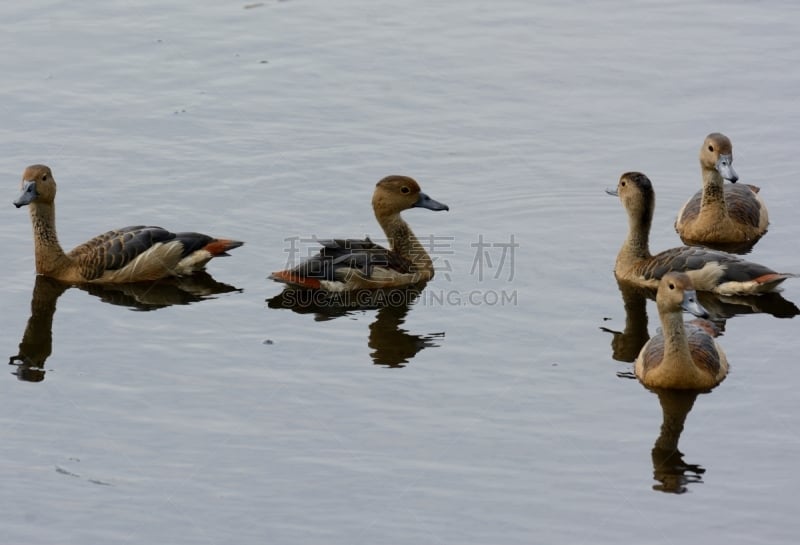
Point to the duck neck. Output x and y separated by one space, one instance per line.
48 252
637 245
405 244
676 346
713 199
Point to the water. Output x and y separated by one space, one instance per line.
454 420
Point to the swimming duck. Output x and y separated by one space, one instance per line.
681 356
352 264
721 214
131 254
709 270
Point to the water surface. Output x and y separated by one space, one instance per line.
449 420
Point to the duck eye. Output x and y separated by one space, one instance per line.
44 177
671 286
404 189
622 184
710 147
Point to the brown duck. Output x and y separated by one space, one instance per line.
682 355
721 214
355 264
131 254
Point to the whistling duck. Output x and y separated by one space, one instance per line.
721 213
352 264
131 254
682 355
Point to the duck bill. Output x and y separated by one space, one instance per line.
426 202
725 168
27 194
690 304
613 192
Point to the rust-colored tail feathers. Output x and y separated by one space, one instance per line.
220 246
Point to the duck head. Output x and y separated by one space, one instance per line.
37 185
676 293
717 154
635 191
394 194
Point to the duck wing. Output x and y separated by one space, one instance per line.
703 348
743 204
116 249
694 258
339 257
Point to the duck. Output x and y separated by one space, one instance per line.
722 214
345 265
682 356
136 253
710 270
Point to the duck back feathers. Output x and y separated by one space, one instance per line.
115 250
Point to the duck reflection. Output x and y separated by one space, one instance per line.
722 307
391 344
741 248
161 293
626 344
669 468
37 341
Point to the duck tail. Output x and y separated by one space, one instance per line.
220 246
768 282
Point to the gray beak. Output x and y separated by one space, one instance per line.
426 202
725 168
690 304
27 195
612 192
